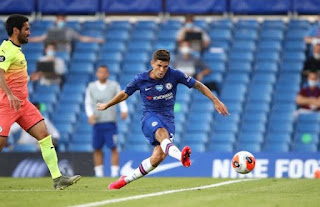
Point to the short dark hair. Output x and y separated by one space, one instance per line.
163 55
54 44
15 20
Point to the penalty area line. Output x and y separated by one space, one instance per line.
118 200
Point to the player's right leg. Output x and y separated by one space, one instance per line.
7 117
144 168
97 144
170 149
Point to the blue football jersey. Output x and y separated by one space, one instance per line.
158 96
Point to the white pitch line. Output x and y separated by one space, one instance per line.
118 200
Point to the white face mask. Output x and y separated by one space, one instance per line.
61 24
189 25
185 50
316 56
51 53
313 83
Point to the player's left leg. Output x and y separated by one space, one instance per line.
114 162
144 168
32 122
111 141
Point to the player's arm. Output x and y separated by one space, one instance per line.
220 107
13 100
117 99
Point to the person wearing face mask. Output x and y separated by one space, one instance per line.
198 38
313 63
192 65
63 35
308 98
48 78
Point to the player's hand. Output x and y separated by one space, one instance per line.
221 108
101 106
92 119
14 102
124 115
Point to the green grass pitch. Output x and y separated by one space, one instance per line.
264 192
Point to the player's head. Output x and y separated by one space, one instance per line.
102 73
313 79
17 26
50 49
160 63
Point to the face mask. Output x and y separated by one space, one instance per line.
185 50
51 53
312 83
60 24
316 56
189 25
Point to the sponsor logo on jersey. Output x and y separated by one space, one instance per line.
2 58
166 96
168 86
159 87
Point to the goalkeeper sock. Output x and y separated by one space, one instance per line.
50 156
144 168
170 149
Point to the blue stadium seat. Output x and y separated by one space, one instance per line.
269 45
119 25
25 148
141 45
277 137
222 23
220 34
134 68
217 147
294 45
308 127
241 56
79 147
271 34
251 147
276 147
268 55
226 137
309 137
304 148
196 147
143 35
253 126
310 117
114 46
117 35
86 57
273 24
94 25
86 47
267 66
237 78
138 57
244 45
247 24
246 34
241 67
169 35
209 56
280 127
141 25
111 56
64 118
255 117
195 137
264 78
293 56
296 34
250 137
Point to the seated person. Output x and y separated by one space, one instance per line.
197 37
191 65
63 35
313 33
26 138
47 76
308 99
313 63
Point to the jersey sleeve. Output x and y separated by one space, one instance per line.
132 86
6 59
184 78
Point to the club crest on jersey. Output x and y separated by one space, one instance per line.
168 86
159 87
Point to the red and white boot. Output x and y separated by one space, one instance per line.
118 184
185 156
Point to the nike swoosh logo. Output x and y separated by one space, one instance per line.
147 89
127 168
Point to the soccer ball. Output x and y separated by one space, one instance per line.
243 162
